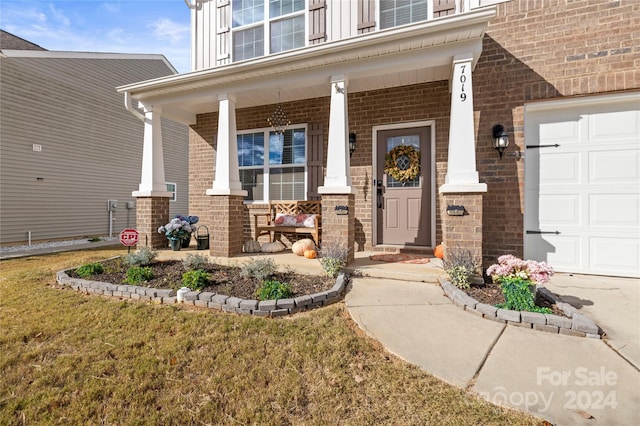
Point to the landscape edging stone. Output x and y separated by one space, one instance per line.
577 324
214 301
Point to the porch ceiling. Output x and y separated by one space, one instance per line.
411 54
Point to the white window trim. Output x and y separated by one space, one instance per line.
266 166
174 197
267 29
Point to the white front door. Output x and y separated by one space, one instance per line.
582 185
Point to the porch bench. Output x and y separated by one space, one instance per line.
293 217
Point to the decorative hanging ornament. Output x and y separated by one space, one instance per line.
403 163
279 120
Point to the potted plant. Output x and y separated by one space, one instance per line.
176 232
191 220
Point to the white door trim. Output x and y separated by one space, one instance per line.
374 143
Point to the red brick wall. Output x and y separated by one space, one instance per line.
534 51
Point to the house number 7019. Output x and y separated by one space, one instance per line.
463 79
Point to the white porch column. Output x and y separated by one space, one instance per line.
338 176
152 182
462 175
227 177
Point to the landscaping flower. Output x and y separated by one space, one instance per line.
177 229
509 266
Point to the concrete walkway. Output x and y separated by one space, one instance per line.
564 379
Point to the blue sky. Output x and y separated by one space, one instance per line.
119 26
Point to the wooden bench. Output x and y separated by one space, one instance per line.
289 208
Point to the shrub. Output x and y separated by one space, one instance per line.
273 289
461 266
138 274
90 269
259 269
194 261
333 258
141 257
519 295
196 279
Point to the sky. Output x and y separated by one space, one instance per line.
115 26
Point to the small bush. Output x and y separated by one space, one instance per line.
518 295
142 257
461 266
196 279
259 269
194 261
138 274
90 269
274 289
333 258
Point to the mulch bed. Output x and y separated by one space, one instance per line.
491 294
226 280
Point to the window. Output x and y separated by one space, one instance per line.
273 167
254 35
400 12
173 188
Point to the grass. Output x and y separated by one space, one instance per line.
69 358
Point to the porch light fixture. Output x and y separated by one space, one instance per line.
278 120
352 143
500 138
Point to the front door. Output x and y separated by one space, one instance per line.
403 208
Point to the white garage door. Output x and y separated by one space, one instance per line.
582 185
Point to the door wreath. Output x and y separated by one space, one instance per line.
403 163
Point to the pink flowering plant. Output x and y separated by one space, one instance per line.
177 229
517 278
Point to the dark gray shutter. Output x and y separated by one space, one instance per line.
317 21
315 159
443 7
366 16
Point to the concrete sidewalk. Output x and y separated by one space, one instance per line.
566 380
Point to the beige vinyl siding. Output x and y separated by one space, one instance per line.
91 146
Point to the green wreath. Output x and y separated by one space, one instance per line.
403 163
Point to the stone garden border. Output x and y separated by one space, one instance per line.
576 324
219 302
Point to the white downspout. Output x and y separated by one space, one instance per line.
130 108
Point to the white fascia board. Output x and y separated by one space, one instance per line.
473 22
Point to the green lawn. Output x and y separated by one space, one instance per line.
68 358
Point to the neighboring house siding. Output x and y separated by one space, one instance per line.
91 146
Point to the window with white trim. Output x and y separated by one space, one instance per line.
394 13
272 166
261 27
172 187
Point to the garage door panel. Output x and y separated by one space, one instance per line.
560 169
615 211
562 252
561 132
559 210
614 125
621 166
614 256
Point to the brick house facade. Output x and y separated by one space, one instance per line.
530 52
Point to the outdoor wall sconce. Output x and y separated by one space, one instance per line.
500 139
352 143
455 210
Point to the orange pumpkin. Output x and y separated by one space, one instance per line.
310 254
438 251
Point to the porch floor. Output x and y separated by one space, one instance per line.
361 266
